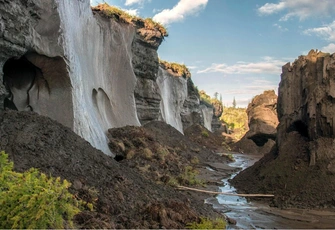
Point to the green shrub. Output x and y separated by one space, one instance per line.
33 200
205 134
177 68
205 223
120 15
189 177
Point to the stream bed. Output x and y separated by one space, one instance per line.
258 215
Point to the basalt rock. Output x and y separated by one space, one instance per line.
300 169
262 118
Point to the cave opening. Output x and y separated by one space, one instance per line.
18 78
35 82
300 127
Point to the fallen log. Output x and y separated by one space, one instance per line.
224 193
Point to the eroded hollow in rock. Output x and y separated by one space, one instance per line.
39 83
300 127
18 77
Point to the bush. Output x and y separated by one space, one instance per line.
205 134
205 223
189 177
33 200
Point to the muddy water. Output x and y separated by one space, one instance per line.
257 215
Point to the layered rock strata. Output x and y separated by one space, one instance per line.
88 69
300 169
82 64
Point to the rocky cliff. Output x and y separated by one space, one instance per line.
91 70
262 123
180 105
306 104
300 170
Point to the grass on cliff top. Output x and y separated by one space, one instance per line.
179 69
120 15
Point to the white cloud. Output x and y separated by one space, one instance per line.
132 2
133 12
271 8
180 11
327 32
268 66
329 48
192 67
299 8
280 27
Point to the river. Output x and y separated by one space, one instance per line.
258 215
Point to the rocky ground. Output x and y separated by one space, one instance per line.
286 172
136 191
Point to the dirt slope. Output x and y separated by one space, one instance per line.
126 199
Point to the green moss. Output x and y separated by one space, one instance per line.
122 16
34 200
204 133
179 69
205 223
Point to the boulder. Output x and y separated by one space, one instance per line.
262 116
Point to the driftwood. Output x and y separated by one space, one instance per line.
223 193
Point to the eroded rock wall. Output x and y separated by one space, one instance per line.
173 91
180 105
300 169
84 75
89 70
145 64
306 103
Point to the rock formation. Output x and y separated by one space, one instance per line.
262 118
306 104
262 123
180 105
88 69
300 170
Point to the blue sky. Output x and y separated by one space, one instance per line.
237 47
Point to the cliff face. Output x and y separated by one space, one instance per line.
180 105
300 170
145 64
79 69
306 104
89 70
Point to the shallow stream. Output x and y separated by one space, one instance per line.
257 215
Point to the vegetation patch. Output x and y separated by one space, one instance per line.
204 133
205 223
33 200
178 69
119 15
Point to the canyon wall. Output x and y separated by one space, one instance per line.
82 65
88 70
306 104
300 169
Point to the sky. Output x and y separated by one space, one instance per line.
237 47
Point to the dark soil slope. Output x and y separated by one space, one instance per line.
286 173
125 198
